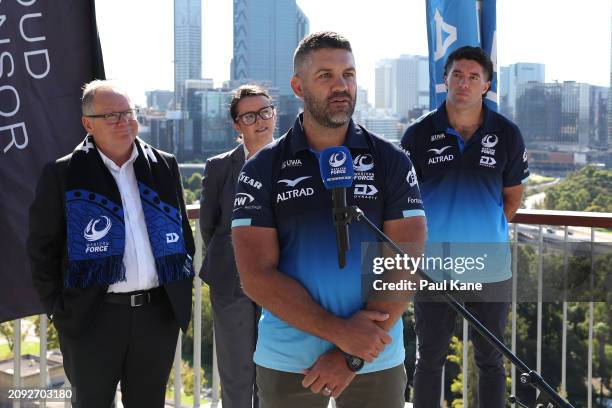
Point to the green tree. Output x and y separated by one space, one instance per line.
585 190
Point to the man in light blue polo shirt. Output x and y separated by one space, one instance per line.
471 164
316 328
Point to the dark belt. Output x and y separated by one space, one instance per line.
135 299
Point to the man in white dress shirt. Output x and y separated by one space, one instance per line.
111 247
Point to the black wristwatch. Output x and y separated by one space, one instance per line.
353 363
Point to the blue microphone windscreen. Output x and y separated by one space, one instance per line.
336 166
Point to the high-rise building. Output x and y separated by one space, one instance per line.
402 84
610 90
383 85
362 106
187 45
511 78
599 104
303 24
266 34
384 126
567 113
159 99
206 108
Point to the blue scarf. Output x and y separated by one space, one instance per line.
95 219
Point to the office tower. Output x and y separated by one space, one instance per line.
159 99
610 91
384 126
402 85
266 34
187 45
556 114
383 85
511 78
211 131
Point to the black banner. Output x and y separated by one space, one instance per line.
48 50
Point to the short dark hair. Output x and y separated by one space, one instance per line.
471 53
242 92
317 41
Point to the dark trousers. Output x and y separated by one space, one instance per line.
435 323
235 319
134 345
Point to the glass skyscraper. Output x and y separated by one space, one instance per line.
187 45
266 33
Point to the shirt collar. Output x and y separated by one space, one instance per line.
355 136
112 165
246 151
440 119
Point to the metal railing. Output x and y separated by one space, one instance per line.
539 218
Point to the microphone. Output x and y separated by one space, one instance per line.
336 165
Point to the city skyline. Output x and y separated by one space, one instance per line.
150 50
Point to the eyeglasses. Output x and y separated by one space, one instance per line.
115 117
249 118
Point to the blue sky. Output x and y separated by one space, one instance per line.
571 37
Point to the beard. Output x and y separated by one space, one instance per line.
322 112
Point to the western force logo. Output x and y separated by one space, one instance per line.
411 177
439 158
293 183
487 161
363 162
92 233
490 140
438 136
337 159
242 199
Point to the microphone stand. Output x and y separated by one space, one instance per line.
548 398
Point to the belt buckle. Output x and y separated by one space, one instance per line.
146 298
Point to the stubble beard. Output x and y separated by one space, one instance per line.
321 113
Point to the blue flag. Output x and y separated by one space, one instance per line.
452 24
488 40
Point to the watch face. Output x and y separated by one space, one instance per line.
354 363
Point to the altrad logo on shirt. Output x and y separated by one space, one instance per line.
297 193
294 182
439 158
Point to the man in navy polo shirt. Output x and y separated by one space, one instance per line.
471 164
316 327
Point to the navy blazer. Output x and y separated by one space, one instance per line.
216 205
